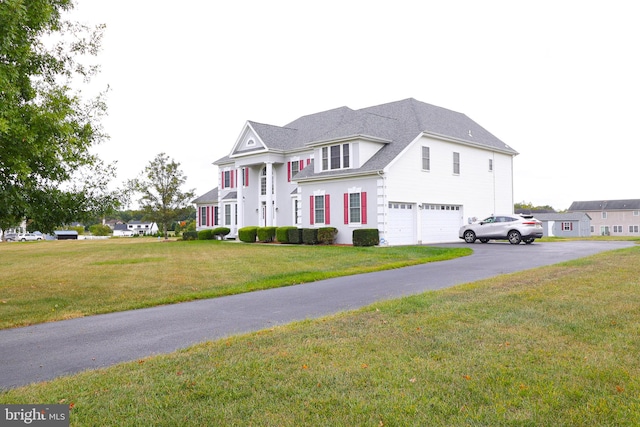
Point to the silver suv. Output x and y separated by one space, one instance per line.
514 228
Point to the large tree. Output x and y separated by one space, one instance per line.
48 174
160 189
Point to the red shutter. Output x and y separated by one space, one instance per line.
301 165
308 162
246 177
571 226
327 210
231 179
363 206
312 209
346 208
206 220
288 171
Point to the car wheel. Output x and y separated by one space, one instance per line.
484 240
23 240
469 236
514 237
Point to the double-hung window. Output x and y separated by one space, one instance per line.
319 209
456 163
336 157
227 179
227 214
426 158
203 216
355 207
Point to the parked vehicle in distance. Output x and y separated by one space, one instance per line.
27 237
514 228
10 237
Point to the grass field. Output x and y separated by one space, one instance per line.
47 281
558 346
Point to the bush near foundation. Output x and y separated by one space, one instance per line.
366 237
295 235
248 234
221 232
310 236
266 234
327 235
205 234
282 233
190 235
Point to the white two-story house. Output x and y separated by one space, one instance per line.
414 171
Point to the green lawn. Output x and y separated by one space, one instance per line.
47 281
556 347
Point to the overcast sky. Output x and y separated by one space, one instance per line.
559 81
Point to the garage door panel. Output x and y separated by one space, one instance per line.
440 223
402 224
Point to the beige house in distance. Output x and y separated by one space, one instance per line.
611 217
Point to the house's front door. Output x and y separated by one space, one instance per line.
263 210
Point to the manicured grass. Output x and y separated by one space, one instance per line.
47 281
556 347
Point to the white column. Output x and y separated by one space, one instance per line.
239 181
269 194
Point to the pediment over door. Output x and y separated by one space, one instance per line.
248 142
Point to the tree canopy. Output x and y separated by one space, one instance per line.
48 174
160 189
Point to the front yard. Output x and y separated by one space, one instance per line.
556 347
47 281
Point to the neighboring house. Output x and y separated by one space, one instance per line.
142 228
577 224
207 215
412 170
611 217
122 230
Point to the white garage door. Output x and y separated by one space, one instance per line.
440 223
402 224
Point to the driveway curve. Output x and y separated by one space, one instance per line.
46 351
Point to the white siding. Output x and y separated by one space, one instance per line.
478 190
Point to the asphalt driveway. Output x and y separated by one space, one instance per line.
42 352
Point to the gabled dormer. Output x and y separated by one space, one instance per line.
345 153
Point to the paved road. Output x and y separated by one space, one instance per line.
42 352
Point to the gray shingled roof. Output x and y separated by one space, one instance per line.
398 122
208 197
572 216
605 205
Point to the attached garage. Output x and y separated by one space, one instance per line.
440 223
402 224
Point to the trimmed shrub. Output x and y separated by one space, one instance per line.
294 235
310 236
190 235
248 234
327 235
221 232
366 237
205 234
282 234
266 234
